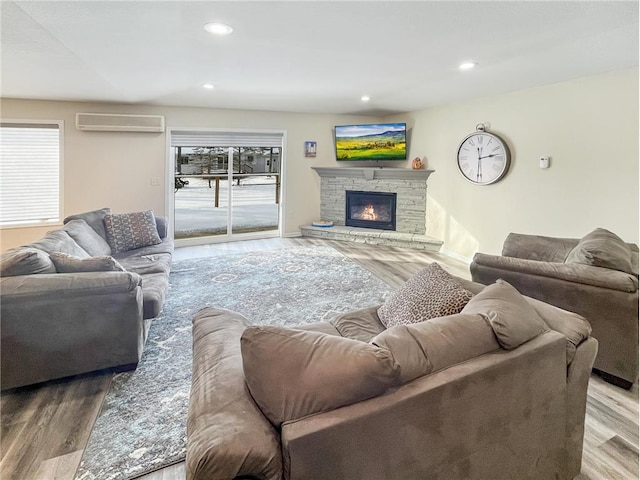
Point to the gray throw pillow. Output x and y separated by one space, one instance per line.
128 231
25 261
431 293
87 238
69 264
602 248
294 373
513 320
94 218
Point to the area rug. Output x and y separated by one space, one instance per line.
142 424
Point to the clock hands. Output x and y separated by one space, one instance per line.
479 172
489 156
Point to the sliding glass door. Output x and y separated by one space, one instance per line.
226 190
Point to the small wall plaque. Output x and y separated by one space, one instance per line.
310 149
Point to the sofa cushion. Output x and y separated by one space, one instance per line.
513 320
430 346
602 248
69 264
362 324
128 231
294 373
431 293
59 241
87 238
25 261
94 218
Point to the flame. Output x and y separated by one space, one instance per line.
369 213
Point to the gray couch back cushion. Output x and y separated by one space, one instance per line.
87 238
59 241
94 218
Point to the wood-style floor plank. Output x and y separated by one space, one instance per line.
45 429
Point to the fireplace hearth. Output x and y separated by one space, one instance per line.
370 209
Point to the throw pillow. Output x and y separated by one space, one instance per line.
294 373
431 293
513 320
69 264
25 261
94 218
128 231
87 238
602 248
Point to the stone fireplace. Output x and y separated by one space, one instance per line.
409 188
370 209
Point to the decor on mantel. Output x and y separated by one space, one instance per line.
417 163
410 187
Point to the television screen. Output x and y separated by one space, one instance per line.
380 141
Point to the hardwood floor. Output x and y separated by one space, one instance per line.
44 429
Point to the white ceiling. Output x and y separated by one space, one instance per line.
306 56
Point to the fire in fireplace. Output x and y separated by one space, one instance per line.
371 210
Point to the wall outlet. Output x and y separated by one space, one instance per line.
155 181
544 162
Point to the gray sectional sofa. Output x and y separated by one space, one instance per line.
70 303
497 391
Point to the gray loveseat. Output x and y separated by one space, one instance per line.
448 398
86 311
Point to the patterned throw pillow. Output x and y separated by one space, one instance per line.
431 293
69 264
128 231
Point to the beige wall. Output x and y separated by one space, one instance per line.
115 169
589 128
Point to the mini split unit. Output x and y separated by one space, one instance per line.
110 122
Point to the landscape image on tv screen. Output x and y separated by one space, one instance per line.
381 141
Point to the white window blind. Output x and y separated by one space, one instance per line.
29 173
225 139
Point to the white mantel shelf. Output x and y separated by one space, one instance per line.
370 173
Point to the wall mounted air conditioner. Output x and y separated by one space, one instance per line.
115 122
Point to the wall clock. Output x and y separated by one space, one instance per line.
483 158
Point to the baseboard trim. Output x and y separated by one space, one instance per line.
456 256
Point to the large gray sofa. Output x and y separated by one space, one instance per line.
596 277
56 324
451 400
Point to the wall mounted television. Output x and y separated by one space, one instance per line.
371 142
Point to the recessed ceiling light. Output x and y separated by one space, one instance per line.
218 28
365 98
467 65
208 86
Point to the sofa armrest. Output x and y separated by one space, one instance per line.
57 325
227 434
162 226
60 286
570 272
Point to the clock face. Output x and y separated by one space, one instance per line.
483 158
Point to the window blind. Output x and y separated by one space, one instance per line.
225 139
29 173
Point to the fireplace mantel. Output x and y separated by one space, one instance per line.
370 173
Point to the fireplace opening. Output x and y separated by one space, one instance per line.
371 210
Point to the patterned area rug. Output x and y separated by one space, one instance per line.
142 425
